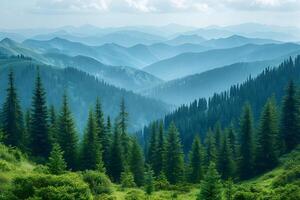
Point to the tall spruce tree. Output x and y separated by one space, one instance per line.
196 161
102 132
226 163
12 117
40 140
232 140
246 151
174 168
160 150
211 188
53 125
218 136
67 138
91 148
116 164
266 155
137 163
151 157
210 148
123 123
290 119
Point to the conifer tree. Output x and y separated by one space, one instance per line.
53 125
127 179
232 140
210 148
67 138
160 151
12 117
122 123
137 163
102 132
149 181
40 141
116 164
211 188
218 136
290 119
225 160
107 147
26 136
56 163
246 151
152 146
91 149
174 156
196 161
266 155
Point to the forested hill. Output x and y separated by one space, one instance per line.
82 90
226 107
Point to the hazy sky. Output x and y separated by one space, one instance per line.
55 13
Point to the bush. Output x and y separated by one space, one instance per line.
98 183
244 195
288 176
10 155
5 166
161 183
135 195
48 187
289 192
41 169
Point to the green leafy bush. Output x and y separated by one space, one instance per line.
289 176
11 155
5 166
135 195
98 182
49 187
289 192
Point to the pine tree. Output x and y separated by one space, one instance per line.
266 155
53 125
127 179
246 150
211 188
56 163
151 158
218 136
137 163
290 120
196 161
149 181
225 160
229 189
160 151
40 141
122 123
103 134
116 164
91 148
107 147
67 137
174 156
12 117
210 148
27 131
232 140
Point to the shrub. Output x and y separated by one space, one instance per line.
135 195
288 176
289 192
244 195
98 183
161 183
5 166
49 187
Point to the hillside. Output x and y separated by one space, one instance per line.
279 183
205 84
141 109
190 63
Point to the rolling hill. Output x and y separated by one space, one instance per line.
82 90
191 63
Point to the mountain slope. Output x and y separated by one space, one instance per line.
184 39
110 54
205 84
123 77
82 89
190 63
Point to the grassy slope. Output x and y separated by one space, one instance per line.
13 164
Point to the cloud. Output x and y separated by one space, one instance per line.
161 6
